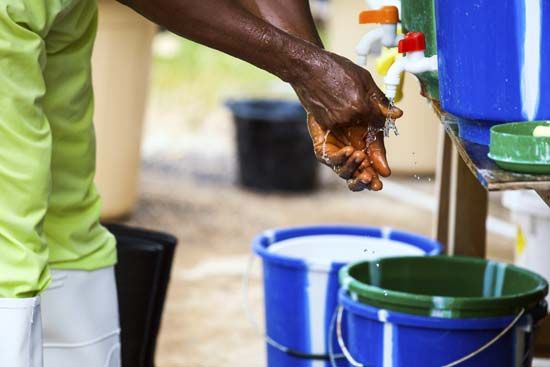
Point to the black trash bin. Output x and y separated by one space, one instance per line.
142 273
275 152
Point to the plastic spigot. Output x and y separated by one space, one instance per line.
384 15
415 61
413 41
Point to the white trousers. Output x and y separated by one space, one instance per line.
80 319
20 332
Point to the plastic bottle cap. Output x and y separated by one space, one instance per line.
384 15
413 41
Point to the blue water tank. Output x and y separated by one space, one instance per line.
494 59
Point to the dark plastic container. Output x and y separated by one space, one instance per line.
275 152
143 273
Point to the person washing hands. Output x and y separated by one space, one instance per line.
58 305
341 98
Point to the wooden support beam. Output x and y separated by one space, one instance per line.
545 195
443 179
467 211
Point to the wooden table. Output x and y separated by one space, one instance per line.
465 175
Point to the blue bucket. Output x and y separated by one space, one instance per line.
382 338
301 285
493 62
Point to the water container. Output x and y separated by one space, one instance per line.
493 62
418 16
301 283
274 149
143 273
532 217
441 311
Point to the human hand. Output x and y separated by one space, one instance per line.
338 92
347 111
356 153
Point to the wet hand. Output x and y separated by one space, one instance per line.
355 153
338 92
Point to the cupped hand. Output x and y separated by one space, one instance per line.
346 112
355 153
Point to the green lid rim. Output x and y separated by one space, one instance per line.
453 304
496 130
535 163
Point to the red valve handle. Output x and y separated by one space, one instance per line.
413 41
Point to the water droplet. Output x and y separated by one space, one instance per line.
325 155
390 122
377 265
385 293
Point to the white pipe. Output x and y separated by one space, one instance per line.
367 43
414 63
390 38
393 77
386 34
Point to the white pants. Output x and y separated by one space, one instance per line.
79 325
80 319
20 332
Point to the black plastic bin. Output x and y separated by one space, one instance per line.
142 273
275 152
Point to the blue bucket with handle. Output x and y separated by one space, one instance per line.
439 311
380 338
300 267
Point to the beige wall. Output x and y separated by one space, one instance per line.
418 127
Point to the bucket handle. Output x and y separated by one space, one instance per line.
337 319
255 325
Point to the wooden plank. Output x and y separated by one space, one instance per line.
467 213
485 170
545 195
443 178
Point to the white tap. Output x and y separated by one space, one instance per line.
414 61
386 34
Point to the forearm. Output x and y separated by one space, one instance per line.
292 16
228 26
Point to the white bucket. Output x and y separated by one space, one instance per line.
532 216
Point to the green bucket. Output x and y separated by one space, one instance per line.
444 286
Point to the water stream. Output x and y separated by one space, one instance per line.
390 122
